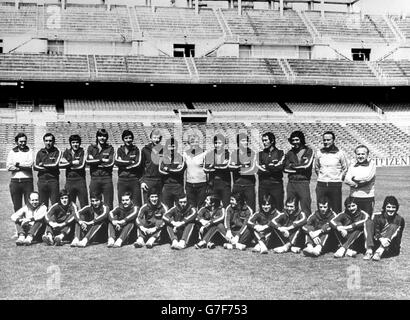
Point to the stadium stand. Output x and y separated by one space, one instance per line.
403 24
394 107
7 133
325 107
396 69
272 107
21 21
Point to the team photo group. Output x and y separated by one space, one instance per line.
206 198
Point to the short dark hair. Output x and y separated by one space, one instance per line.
323 200
127 133
331 133
298 134
268 199
270 136
96 195
221 137
74 137
293 199
390 200
63 193
126 194
20 135
181 196
239 197
49 134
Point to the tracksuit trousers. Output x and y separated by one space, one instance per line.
77 188
90 232
391 232
122 234
301 191
104 186
181 233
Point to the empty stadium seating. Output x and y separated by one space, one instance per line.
403 24
329 107
394 107
22 21
240 106
396 69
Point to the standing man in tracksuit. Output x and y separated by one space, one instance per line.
318 229
180 221
149 221
235 223
298 166
330 166
216 166
385 230
59 218
47 162
172 167
150 158
73 160
287 227
128 161
243 164
121 221
89 221
100 157
210 218
270 164
259 223
349 226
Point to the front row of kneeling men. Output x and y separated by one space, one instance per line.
235 227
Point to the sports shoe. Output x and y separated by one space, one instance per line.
240 246
351 253
139 243
264 249
228 246
110 242
282 249
150 243
82 243
28 240
308 251
295 249
59 240
317 250
377 256
75 242
117 243
368 255
210 245
200 245
174 244
181 244
340 253
48 239
256 248
20 240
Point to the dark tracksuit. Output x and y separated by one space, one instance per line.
318 221
219 178
271 180
150 216
61 214
101 172
121 213
383 226
173 177
150 159
244 177
355 222
215 219
262 218
296 220
99 218
236 220
176 214
298 165
129 173
48 177
76 184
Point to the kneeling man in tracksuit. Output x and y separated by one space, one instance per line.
121 221
59 219
287 227
149 221
349 225
180 221
236 219
210 218
385 230
318 229
259 223
90 220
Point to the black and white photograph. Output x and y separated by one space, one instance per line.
204 150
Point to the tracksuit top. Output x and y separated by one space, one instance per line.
381 221
121 213
262 218
150 158
89 213
195 171
176 213
212 216
284 219
150 216
101 169
45 156
23 158
365 172
214 160
75 172
246 174
28 212
318 221
171 161
126 159
273 161
354 221
59 213
236 218
330 164
298 164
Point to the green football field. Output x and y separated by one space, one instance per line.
96 272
